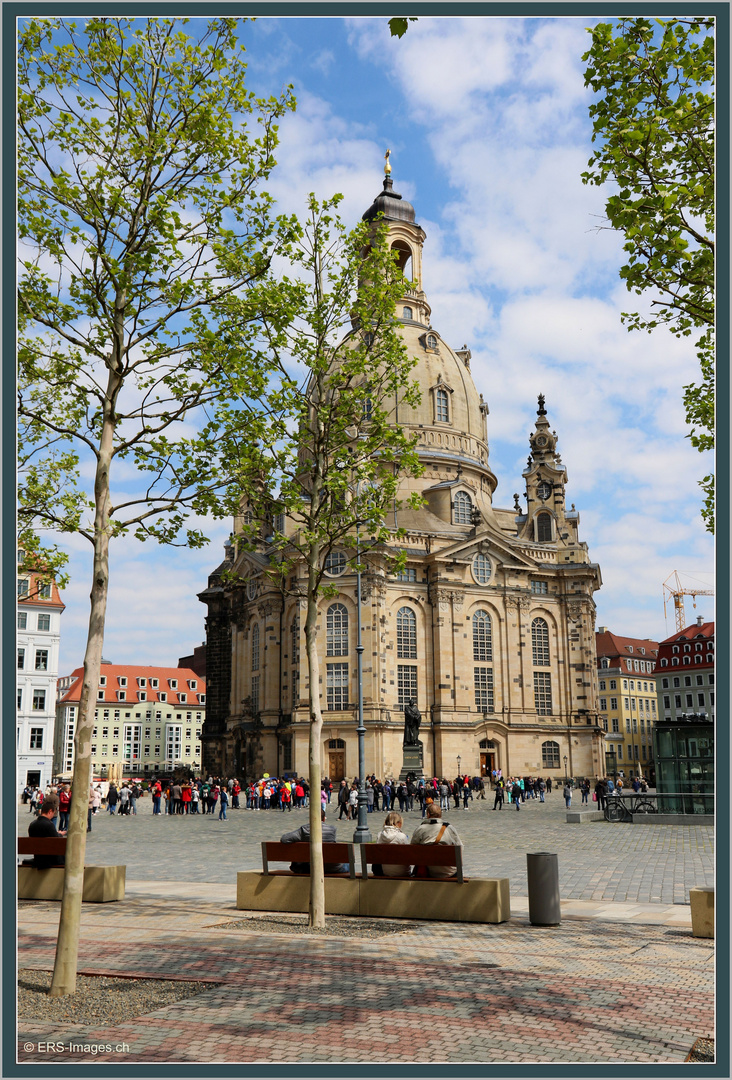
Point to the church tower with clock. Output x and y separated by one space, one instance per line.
489 628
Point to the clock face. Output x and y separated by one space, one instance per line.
541 441
544 490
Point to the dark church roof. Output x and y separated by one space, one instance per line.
391 204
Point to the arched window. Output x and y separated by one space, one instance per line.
482 644
675 661
540 643
442 410
687 659
431 341
487 744
336 744
406 634
605 663
408 313
403 254
664 662
543 528
698 659
255 647
462 509
335 563
336 631
550 755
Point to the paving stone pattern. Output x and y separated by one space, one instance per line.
597 861
587 991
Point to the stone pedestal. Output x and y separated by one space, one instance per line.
413 762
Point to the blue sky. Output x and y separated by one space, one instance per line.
487 122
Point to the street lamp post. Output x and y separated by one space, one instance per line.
362 834
565 766
458 761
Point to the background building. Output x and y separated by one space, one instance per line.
490 626
38 637
685 673
628 705
149 719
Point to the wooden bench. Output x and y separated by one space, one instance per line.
102 884
283 890
454 899
447 899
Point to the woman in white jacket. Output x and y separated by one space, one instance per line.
392 834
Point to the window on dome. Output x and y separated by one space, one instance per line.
462 509
408 313
442 409
431 341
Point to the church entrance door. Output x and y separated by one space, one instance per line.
337 764
487 762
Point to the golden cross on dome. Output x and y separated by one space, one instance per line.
387 166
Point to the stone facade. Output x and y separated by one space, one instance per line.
490 627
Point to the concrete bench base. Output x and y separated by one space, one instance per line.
101 883
291 892
581 817
702 911
480 900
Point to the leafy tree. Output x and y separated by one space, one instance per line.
141 154
398 27
319 444
654 123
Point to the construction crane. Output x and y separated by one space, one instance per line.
676 590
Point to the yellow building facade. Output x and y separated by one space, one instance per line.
490 627
627 702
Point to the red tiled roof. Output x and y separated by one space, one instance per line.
53 601
612 645
113 673
691 635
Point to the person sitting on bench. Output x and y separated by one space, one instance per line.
302 835
43 826
392 834
434 831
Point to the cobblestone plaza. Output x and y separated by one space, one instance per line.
620 982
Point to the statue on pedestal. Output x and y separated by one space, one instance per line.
412 720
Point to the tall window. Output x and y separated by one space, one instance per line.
44 622
36 738
406 684
255 648
23 620
483 683
442 414
462 509
482 644
295 642
540 643
543 528
408 313
550 755
406 634
336 686
336 631
41 659
543 693
39 700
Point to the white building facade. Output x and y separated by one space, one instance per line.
38 639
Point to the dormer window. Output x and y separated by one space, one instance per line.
192 684
462 509
182 697
173 684
154 683
142 695
102 680
121 695
442 408
123 680
162 696
431 341
100 695
202 699
630 648
408 313
141 681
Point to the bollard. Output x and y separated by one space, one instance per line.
543 875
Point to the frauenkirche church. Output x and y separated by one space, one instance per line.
489 628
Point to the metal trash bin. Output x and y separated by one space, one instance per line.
542 869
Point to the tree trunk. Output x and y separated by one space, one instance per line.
67 945
316 908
